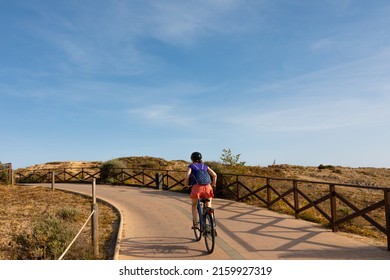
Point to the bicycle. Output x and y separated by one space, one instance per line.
206 225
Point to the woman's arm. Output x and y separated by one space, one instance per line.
213 176
187 179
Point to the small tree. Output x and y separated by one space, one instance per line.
229 159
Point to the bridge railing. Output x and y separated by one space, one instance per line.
346 206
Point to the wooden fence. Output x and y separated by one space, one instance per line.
332 204
352 207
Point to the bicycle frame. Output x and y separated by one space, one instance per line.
201 215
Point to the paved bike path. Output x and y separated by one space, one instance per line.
156 225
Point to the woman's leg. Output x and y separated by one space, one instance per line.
194 210
210 195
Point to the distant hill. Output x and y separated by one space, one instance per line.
367 176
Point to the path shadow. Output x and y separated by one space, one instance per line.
284 237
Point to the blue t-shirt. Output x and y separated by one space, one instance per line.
194 168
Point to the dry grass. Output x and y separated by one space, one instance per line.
22 207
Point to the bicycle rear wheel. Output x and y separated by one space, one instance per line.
198 233
198 230
209 233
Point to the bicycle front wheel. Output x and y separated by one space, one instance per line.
209 233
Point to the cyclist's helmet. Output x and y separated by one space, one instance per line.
196 156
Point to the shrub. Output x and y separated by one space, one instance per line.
109 169
3 173
68 214
48 238
330 167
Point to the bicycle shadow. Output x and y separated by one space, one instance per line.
160 247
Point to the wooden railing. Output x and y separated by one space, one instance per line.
333 204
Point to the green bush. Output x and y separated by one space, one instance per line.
68 214
47 239
330 167
3 174
110 169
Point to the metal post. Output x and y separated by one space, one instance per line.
95 227
333 210
53 179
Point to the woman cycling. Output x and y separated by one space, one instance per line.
200 187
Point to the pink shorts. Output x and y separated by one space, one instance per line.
198 191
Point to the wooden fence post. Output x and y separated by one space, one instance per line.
296 200
95 225
122 176
10 174
333 210
268 193
387 213
237 189
53 179
159 181
12 177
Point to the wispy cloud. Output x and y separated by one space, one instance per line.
105 38
348 95
162 114
356 77
318 116
182 22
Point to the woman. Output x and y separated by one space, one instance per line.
201 187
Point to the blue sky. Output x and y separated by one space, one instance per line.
299 82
